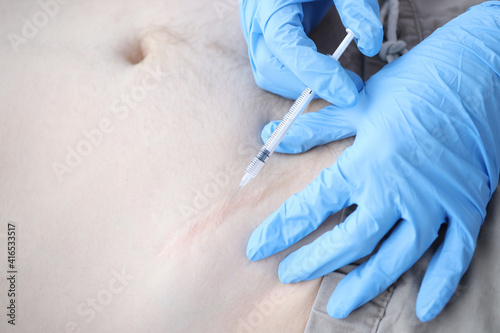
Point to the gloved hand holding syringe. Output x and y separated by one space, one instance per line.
279 133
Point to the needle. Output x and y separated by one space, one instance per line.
233 195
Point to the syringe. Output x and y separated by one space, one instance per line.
291 116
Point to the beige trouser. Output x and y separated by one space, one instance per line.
474 307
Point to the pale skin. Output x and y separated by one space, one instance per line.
124 130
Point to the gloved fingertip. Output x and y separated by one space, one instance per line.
348 98
252 254
343 301
370 49
292 142
336 311
427 312
358 82
268 130
370 43
425 317
363 18
253 248
286 274
343 96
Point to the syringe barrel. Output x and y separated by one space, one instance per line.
257 163
293 113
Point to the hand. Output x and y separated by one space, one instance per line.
284 60
427 153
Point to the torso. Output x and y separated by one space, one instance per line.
130 233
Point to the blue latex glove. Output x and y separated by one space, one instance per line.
427 153
284 60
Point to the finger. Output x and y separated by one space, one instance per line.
313 129
396 255
287 40
301 214
446 268
349 241
358 82
268 71
270 74
363 18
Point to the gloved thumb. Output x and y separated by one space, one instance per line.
313 129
